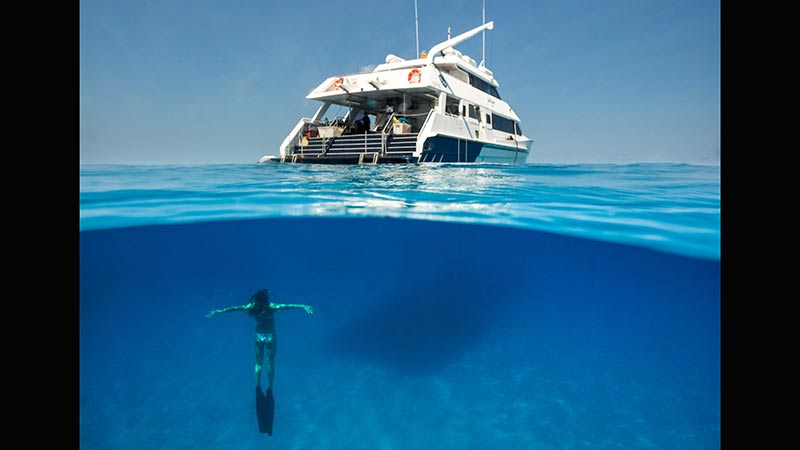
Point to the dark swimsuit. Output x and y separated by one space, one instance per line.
265 317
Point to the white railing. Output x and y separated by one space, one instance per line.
386 131
293 138
422 130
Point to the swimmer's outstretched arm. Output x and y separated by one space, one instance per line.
308 308
228 309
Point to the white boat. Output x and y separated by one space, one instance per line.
441 107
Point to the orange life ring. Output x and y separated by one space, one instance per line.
338 82
414 76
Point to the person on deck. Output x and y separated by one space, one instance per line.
365 123
361 125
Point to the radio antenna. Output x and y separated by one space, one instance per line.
416 28
483 56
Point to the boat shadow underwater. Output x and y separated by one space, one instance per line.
414 296
430 324
580 295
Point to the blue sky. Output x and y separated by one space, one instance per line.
184 82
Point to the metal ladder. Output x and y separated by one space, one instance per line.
374 156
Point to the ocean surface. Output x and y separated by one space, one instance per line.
456 306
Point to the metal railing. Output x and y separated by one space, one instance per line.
430 113
385 132
389 123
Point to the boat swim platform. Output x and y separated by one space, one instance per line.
368 148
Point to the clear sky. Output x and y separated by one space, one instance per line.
210 81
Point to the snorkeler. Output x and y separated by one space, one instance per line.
262 310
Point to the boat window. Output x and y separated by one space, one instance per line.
464 110
502 124
488 119
451 107
472 111
478 83
483 86
519 130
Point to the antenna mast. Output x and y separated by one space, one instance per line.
483 56
416 27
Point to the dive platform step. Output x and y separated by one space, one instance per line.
356 145
368 158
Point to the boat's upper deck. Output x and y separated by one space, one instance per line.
401 82
415 79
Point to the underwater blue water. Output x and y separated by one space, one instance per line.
457 307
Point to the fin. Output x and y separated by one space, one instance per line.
270 416
265 410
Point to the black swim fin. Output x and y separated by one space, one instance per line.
265 410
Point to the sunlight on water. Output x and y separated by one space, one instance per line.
670 207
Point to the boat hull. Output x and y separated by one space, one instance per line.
454 150
436 149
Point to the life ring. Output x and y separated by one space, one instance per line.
414 76
338 82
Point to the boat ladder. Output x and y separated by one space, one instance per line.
363 156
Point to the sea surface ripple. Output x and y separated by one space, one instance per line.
669 207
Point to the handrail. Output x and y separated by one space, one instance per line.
294 134
389 122
424 123
430 113
385 133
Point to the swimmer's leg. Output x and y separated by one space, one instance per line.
271 347
259 362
